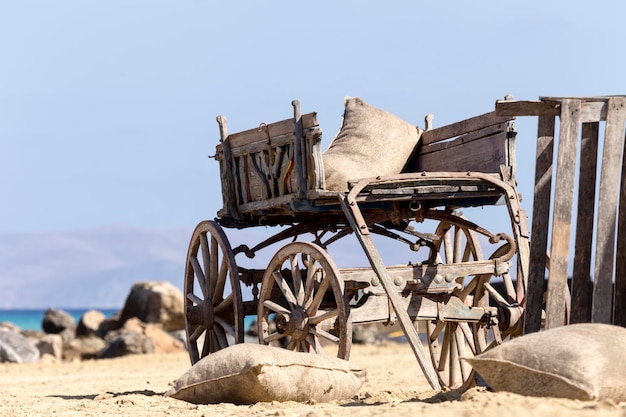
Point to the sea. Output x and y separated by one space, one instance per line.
31 319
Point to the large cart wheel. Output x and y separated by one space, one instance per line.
301 303
449 340
214 313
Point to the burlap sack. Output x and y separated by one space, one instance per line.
580 361
371 142
248 373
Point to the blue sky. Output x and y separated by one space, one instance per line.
107 109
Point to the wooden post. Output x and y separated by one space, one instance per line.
607 211
581 277
558 293
619 296
539 233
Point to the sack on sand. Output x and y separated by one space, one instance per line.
371 142
248 373
580 361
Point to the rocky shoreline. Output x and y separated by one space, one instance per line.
151 321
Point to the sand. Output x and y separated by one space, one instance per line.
134 386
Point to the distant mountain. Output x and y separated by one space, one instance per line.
88 268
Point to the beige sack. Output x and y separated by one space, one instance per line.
580 361
371 142
248 373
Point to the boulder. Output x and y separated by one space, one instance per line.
89 323
162 340
51 344
85 347
16 348
128 344
155 302
57 321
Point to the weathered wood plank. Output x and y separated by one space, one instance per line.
512 108
540 222
581 278
462 127
619 296
602 308
280 128
223 154
483 155
558 293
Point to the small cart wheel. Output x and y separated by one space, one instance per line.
448 341
451 340
214 312
301 303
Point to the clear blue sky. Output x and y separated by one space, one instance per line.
107 109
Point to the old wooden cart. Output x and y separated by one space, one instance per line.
460 293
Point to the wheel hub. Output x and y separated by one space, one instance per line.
201 314
294 324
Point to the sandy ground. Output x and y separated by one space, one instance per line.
134 386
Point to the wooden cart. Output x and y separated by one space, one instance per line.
456 295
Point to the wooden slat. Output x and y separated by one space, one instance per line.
483 155
558 293
619 296
280 128
581 278
462 127
512 108
607 208
540 222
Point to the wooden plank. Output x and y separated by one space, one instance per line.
484 155
558 293
594 111
581 277
512 108
540 222
602 308
619 296
280 128
462 127
477 135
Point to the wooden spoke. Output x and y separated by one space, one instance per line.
194 298
284 288
224 304
297 280
324 316
275 307
319 295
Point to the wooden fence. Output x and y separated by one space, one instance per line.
597 292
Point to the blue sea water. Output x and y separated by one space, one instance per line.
31 319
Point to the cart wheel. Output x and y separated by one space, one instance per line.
213 310
301 303
449 341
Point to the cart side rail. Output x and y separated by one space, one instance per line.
269 166
484 143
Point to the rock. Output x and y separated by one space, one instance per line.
86 347
162 340
155 302
16 348
128 344
51 344
56 321
366 334
90 323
